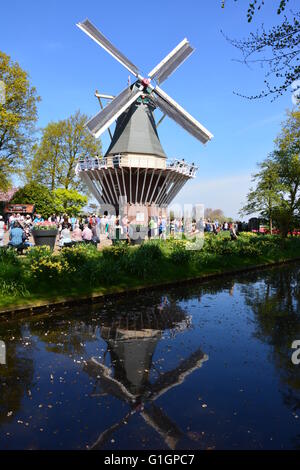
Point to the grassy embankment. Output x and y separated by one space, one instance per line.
41 276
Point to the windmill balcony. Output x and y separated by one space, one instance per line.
137 161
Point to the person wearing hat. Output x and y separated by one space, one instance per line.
2 230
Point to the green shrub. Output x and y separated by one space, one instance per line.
12 288
51 269
78 255
150 250
11 272
144 261
104 272
202 258
115 252
9 256
37 253
180 254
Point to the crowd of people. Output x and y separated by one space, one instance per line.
71 229
216 227
92 228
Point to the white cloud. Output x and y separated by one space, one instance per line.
228 193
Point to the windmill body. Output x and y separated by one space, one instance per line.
135 172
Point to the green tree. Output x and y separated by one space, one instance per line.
68 201
277 49
18 114
37 194
265 197
286 157
277 193
56 156
46 165
215 214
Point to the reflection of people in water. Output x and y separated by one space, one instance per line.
2 353
162 305
131 344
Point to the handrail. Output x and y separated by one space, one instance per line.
174 164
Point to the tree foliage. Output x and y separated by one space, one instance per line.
256 5
215 214
18 114
37 194
265 197
55 158
276 49
287 158
277 192
68 201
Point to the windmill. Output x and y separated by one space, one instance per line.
135 168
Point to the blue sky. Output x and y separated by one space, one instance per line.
66 67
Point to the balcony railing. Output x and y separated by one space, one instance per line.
181 166
174 164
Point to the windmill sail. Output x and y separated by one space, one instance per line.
178 114
100 39
171 62
99 123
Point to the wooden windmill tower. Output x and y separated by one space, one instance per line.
135 169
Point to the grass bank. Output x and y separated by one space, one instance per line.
43 277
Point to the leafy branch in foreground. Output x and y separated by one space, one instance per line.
277 50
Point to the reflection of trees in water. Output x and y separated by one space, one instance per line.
275 302
196 290
64 335
16 376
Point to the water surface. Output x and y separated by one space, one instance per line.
190 367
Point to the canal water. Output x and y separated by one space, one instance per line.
204 366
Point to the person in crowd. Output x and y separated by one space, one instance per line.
38 218
95 237
77 234
125 226
27 226
65 237
17 237
28 221
66 223
2 230
151 225
11 220
73 221
52 218
87 233
177 225
233 234
118 230
102 224
21 219
163 228
81 223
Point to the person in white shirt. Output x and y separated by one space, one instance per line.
2 229
65 237
11 220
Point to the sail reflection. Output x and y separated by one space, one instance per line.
131 343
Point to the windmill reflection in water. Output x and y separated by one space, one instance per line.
131 343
